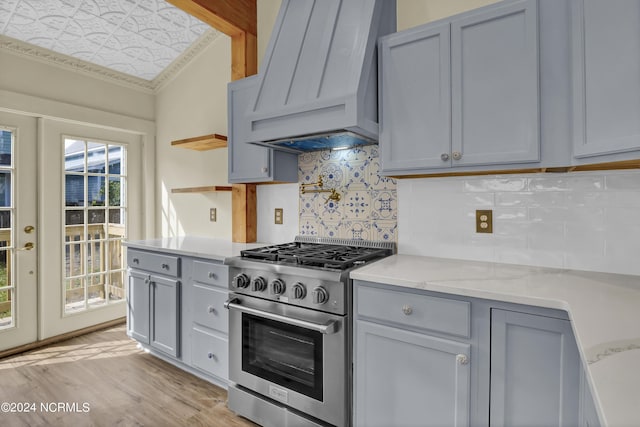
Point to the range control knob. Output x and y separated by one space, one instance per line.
241 281
258 284
298 291
277 287
319 295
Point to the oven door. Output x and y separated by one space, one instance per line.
292 355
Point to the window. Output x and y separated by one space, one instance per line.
7 288
95 184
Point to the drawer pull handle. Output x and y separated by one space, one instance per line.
211 356
135 261
462 359
211 310
165 266
212 275
406 309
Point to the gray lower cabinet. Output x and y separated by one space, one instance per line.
249 163
461 92
606 79
153 299
535 369
430 359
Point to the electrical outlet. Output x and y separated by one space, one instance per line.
484 221
278 216
213 215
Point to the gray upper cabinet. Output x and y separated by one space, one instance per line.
494 86
249 163
534 374
462 92
606 78
415 107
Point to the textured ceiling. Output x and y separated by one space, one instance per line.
136 37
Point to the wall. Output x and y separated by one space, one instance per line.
193 104
578 220
416 12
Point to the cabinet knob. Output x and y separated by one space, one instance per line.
265 170
212 275
211 356
406 309
211 309
165 266
135 261
462 359
444 157
457 155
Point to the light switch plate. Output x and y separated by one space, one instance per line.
484 221
213 215
278 216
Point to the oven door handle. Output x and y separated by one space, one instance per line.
328 328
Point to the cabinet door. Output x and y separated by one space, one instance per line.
606 76
138 306
415 99
494 63
407 379
165 315
534 374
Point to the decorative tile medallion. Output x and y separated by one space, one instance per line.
368 206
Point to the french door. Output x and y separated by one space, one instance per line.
18 231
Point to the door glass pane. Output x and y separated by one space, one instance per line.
5 189
74 155
6 309
6 138
5 261
94 232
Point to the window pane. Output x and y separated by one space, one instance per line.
5 189
73 155
95 289
74 259
74 190
5 147
5 308
116 287
74 295
96 216
114 191
115 159
96 251
5 221
96 191
96 157
116 255
5 259
74 217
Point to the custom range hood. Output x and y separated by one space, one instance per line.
318 84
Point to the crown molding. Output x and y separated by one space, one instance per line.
70 63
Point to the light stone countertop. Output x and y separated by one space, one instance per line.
200 247
604 310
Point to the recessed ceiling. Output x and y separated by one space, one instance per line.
136 37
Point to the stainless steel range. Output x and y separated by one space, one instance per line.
290 330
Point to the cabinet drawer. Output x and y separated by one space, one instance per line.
167 265
210 353
208 308
211 273
419 311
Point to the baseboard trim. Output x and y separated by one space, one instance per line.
62 337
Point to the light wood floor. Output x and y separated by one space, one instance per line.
122 385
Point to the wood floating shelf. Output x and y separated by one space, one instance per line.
202 143
206 189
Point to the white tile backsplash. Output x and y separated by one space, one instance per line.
576 220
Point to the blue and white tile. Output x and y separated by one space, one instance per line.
377 181
333 176
331 229
385 230
309 205
358 230
384 205
309 227
357 205
328 210
357 175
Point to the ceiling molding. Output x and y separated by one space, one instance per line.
47 56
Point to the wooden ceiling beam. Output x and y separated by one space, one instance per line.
229 16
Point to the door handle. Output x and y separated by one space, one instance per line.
29 229
27 247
